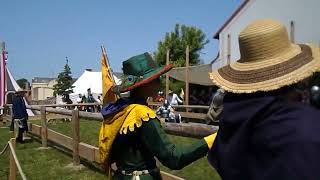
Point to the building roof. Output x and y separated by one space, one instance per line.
42 79
234 14
47 80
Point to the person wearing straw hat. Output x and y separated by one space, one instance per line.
265 131
20 114
131 135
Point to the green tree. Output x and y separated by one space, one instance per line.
22 82
64 82
177 41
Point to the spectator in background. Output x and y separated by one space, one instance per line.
84 100
89 92
79 100
174 99
90 100
67 100
98 100
160 97
20 114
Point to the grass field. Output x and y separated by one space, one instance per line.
89 134
42 164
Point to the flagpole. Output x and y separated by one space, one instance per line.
103 49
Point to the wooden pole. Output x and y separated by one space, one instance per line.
76 137
229 49
292 31
44 128
13 166
187 78
167 75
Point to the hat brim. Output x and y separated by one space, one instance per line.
269 75
149 79
21 91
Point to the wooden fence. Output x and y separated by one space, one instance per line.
14 162
154 105
186 113
91 153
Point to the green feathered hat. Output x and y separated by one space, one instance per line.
140 70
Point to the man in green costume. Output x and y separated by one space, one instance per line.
131 135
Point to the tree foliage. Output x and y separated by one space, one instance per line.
22 82
177 41
64 82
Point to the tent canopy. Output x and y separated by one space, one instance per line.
92 80
197 74
13 86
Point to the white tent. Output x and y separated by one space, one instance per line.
7 81
92 80
12 86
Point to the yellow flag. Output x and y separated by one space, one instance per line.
108 95
182 94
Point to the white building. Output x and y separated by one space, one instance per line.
301 17
42 88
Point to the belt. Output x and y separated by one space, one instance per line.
19 121
136 174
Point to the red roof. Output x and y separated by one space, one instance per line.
245 2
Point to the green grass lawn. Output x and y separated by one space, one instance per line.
52 162
89 131
42 164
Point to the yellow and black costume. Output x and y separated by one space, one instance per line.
131 137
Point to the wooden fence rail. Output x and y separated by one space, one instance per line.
97 104
95 116
13 162
195 130
180 106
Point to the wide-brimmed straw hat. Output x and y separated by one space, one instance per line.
140 70
268 60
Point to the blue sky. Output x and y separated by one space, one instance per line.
39 34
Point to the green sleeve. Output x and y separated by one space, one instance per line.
170 155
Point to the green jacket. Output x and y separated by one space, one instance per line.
137 151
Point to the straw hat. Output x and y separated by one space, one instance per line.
268 60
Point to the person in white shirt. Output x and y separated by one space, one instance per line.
99 106
173 98
79 101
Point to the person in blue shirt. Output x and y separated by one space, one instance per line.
20 114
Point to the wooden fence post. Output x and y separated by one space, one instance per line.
187 78
13 166
44 128
167 74
76 137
